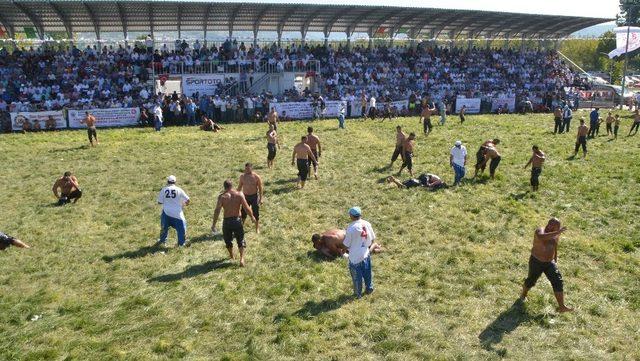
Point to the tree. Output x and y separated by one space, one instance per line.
629 13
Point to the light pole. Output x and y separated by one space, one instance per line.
610 67
626 52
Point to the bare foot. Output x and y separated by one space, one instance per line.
563 309
315 175
242 262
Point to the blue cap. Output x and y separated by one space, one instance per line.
355 211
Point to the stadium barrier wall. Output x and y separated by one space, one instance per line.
472 104
109 117
304 110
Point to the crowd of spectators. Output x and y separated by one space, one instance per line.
118 76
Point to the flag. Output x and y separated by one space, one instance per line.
403 31
30 33
621 40
381 30
3 33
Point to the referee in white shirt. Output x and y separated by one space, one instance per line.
458 160
359 239
172 198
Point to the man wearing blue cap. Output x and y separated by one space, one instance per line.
359 239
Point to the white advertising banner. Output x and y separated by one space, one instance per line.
18 119
304 110
472 104
297 110
110 117
500 102
621 40
203 84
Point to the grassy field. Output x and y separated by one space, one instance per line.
93 288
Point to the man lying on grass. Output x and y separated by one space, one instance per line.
544 259
7 241
430 181
329 243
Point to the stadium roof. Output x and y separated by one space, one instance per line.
154 16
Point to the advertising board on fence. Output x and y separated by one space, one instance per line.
204 84
304 110
110 117
18 119
500 102
472 104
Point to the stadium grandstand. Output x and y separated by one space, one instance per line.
231 80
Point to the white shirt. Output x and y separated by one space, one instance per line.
459 154
172 199
358 238
372 102
157 111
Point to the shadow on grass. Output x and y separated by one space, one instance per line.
254 139
254 166
384 169
139 253
312 309
284 190
518 196
193 271
204 238
60 150
318 257
280 182
506 323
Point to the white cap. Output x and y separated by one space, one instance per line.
458 143
171 179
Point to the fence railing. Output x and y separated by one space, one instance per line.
221 67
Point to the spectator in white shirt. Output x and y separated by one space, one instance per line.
458 161
173 199
359 239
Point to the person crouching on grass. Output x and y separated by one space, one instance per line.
66 189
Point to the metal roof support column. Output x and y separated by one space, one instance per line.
349 32
522 44
94 19
452 39
232 18
370 33
392 33
255 37
206 21
326 39
32 17
412 39
279 38
125 23
64 18
151 23
8 28
179 22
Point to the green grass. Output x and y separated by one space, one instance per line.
445 288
